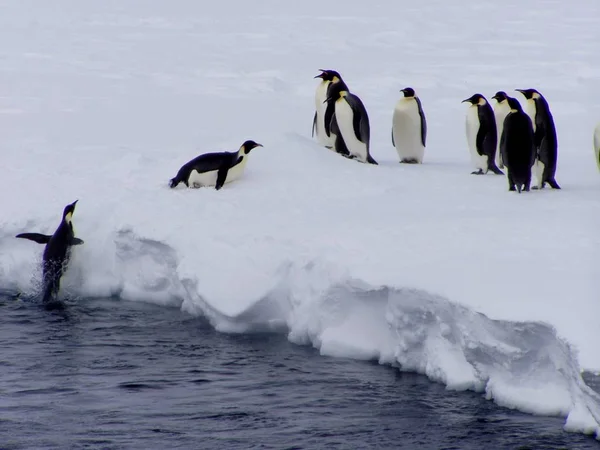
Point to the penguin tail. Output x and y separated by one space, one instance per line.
370 160
553 184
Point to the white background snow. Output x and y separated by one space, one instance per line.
104 101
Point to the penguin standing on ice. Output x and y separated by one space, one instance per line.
501 110
57 252
517 146
409 128
321 126
214 169
350 123
597 145
482 135
546 141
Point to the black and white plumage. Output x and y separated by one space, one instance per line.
57 253
517 146
214 169
501 110
546 140
409 128
322 121
482 135
350 123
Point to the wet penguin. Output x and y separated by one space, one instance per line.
481 135
517 146
214 169
409 128
321 126
501 110
546 141
56 253
597 145
350 123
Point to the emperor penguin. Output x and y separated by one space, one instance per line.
482 135
214 169
350 123
57 253
501 110
409 128
517 146
321 126
597 145
546 141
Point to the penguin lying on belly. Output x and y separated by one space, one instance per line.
214 169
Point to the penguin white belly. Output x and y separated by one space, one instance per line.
501 110
406 126
320 107
345 118
530 111
207 179
479 161
538 171
597 145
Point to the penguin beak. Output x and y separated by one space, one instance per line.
259 145
321 75
466 100
74 203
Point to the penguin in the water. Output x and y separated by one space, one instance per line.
409 128
546 141
597 145
321 126
501 110
214 169
56 253
350 123
517 147
482 135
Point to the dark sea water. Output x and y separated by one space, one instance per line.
108 374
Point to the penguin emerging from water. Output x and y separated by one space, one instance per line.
214 169
350 123
56 253
597 145
546 141
409 128
482 135
501 110
321 126
517 146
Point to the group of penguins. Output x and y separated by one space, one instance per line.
501 137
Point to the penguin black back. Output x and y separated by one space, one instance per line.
56 253
517 147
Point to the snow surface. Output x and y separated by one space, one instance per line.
423 266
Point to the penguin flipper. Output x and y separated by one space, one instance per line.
35 237
329 117
222 173
423 121
314 126
360 120
393 143
76 241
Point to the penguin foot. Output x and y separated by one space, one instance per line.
496 170
409 161
478 172
196 185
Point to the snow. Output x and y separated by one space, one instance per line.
422 266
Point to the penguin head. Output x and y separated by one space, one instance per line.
68 212
475 99
514 104
408 92
500 96
336 91
249 145
530 94
329 75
